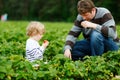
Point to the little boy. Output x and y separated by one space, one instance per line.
34 51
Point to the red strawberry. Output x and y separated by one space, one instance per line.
45 41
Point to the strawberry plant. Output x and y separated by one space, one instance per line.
54 65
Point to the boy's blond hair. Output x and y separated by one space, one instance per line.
35 28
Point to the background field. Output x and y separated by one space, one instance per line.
13 36
14 66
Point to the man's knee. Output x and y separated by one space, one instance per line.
96 36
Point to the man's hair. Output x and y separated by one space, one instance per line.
35 28
85 6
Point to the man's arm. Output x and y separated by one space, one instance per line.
107 27
71 38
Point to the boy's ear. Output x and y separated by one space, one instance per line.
34 33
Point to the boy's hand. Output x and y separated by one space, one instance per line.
45 43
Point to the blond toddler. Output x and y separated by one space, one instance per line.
34 51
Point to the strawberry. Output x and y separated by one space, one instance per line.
45 41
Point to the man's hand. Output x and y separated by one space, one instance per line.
67 53
87 24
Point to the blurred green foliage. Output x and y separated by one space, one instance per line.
51 10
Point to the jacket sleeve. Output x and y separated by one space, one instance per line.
107 26
73 34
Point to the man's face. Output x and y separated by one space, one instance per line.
89 15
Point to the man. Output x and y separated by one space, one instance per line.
98 28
